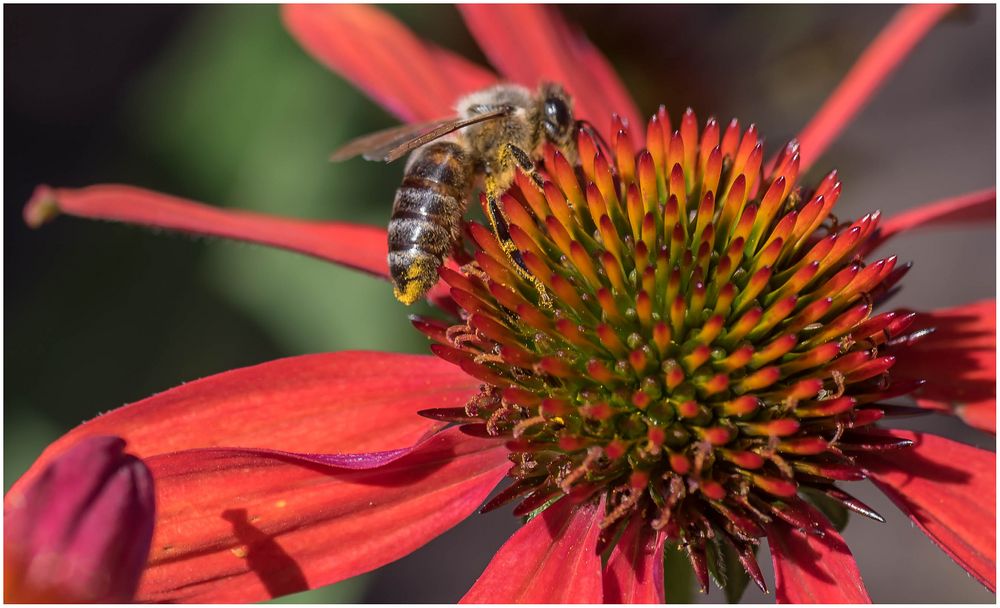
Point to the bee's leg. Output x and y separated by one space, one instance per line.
458 251
523 160
499 223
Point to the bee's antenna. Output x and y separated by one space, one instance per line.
590 130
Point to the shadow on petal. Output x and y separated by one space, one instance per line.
949 490
331 523
551 559
279 573
958 360
809 568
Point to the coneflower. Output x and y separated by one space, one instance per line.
683 348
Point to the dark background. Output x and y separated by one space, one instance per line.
219 104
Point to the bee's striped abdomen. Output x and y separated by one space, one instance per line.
427 216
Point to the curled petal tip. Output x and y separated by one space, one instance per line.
42 208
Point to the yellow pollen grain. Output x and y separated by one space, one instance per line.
407 296
414 286
240 552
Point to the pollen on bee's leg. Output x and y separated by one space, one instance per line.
527 166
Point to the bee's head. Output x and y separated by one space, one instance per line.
556 112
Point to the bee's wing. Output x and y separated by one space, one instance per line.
375 146
396 142
443 129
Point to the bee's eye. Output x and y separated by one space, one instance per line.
557 118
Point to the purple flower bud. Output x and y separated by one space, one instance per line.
81 531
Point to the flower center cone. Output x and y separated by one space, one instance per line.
680 333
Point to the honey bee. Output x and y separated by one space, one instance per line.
496 131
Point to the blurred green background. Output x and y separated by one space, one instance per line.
218 104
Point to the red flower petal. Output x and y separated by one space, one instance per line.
811 569
411 78
551 560
949 490
635 569
240 526
979 414
340 402
364 248
975 207
531 43
888 50
958 361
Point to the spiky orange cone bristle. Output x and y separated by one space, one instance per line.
685 337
